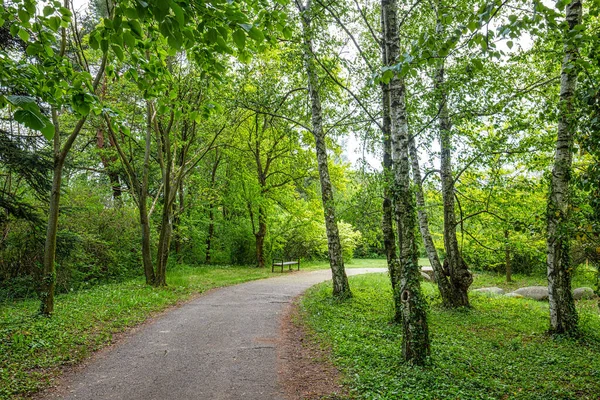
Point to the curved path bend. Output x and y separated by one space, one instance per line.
221 345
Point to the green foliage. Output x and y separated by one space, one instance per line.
497 350
34 348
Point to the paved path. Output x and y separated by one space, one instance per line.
222 345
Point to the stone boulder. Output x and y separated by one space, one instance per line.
583 293
426 277
428 270
533 292
490 290
513 294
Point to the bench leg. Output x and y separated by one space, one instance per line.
298 264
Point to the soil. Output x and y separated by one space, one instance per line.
305 368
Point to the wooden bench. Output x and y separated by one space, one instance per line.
282 263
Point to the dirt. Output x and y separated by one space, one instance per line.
305 368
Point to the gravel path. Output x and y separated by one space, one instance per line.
221 345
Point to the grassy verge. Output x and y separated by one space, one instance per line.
354 263
33 348
498 350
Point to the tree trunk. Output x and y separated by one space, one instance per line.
389 238
143 205
164 243
107 161
211 206
341 289
415 338
438 272
260 235
49 274
165 156
211 231
454 266
508 267
177 222
563 315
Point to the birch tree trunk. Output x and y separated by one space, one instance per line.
415 338
454 266
507 265
389 238
563 315
341 289
438 272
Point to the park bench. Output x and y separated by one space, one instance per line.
282 263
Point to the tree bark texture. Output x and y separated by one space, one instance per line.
440 277
454 266
48 284
563 315
143 205
166 227
507 266
415 338
341 289
389 237
211 208
260 235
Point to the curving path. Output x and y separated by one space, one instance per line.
221 345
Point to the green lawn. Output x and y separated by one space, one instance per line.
355 263
498 350
33 348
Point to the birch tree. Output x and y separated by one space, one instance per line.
408 297
341 289
563 315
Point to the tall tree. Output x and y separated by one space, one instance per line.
563 315
407 293
341 289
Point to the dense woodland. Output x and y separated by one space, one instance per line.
137 135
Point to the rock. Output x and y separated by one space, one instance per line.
426 277
490 290
428 270
583 293
533 292
513 294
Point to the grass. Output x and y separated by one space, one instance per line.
355 263
583 277
33 349
497 350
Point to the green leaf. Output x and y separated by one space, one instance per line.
477 64
33 49
24 102
23 15
287 32
118 51
509 44
256 34
129 39
36 121
135 27
94 42
24 35
211 35
48 10
48 130
54 23
178 11
239 38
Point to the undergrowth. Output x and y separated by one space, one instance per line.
497 350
